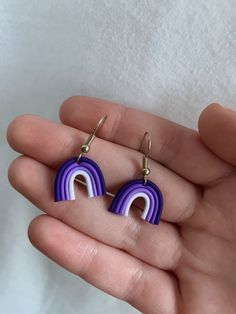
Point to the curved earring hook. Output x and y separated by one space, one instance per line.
148 136
146 171
85 148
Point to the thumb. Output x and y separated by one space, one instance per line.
217 128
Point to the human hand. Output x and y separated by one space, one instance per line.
186 264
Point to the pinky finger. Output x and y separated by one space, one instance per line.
148 289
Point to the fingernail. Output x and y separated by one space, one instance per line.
227 108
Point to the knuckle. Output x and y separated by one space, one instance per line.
135 284
131 235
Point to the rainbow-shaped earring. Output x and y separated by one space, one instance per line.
143 188
87 168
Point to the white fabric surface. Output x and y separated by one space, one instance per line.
167 57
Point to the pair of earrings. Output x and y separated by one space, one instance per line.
90 171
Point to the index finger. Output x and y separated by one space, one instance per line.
175 146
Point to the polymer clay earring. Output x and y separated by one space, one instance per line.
140 188
86 167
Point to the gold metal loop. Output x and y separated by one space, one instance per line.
146 171
85 148
149 142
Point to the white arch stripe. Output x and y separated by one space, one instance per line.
146 206
87 180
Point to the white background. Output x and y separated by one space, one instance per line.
167 57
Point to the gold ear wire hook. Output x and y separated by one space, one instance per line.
146 171
86 147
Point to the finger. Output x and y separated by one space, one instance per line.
148 289
177 147
217 127
159 246
53 143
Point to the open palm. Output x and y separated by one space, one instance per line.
187 263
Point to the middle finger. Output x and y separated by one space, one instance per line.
52 143
159 246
